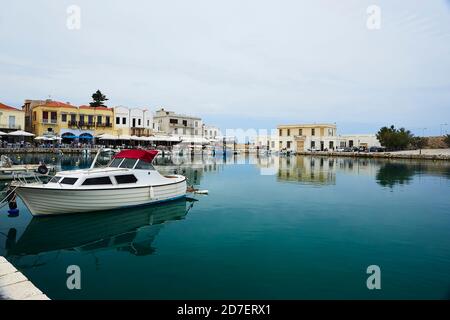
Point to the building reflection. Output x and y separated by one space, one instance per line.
307 170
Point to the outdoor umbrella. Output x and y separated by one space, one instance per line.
21 133
3 133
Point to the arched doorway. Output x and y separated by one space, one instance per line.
86 138
68 138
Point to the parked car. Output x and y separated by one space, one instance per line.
348 149
377 149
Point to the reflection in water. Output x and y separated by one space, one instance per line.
308 170
131 230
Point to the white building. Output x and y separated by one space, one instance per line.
172 123
211 132
133 121
306 137
358 140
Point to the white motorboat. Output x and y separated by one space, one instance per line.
128 180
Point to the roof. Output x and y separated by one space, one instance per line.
56 104
307 125
5 107
96 108
146 155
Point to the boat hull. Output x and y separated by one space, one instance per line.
45 201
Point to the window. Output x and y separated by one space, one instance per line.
313 132
99 119
12 122
273 144
288 133
173 121
117 120
280 132
55 179
124 120
45 116
288 144
148 123
97 181
34 115
73 118
64 117
115 162
185 123
144 165
139 122
90 119
128 163
300 132
313 144
134 122
196 124
126 178
108 120
81 118
53 116
69 181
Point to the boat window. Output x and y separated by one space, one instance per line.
126 178
69 180
128 163
55 179
97 181
115 162
144 165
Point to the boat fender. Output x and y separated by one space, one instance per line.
201 191
42 169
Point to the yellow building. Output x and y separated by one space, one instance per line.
68 121
11 119
303 137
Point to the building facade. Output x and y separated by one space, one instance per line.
66 120
358 141
11 119
211 132
172 123
306 137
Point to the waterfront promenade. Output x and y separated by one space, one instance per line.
15 286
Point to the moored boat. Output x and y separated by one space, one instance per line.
128 180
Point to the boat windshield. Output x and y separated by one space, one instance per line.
55 179
115 162
144 165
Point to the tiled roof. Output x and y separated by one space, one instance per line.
97 108
57 104
5 107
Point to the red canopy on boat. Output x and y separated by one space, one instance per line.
146 155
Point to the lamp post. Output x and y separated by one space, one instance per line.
442 126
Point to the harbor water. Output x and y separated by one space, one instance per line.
271 227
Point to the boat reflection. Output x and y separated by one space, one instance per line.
131 230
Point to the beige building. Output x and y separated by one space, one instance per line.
11 119
172 123
305 137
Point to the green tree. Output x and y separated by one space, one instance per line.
98 98
394 139
447 140
419 142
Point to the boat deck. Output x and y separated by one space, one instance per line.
15 286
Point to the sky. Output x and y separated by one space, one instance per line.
237 64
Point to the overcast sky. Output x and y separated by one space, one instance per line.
237 64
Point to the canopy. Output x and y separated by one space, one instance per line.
146 155
107 137
47 138
124 137
21 133
3 133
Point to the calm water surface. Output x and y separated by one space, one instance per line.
270 228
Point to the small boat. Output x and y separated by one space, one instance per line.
128 180
8 170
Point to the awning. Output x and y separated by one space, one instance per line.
21 133
107 137
3 133
146 155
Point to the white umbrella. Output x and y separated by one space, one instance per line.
3 133
21 133
124 137
108 137
135 138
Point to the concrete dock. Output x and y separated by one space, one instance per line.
15 286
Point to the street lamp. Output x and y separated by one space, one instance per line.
442 131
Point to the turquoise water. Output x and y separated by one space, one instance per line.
270 228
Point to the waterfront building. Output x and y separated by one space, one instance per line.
358 140
211 132
134 121
172 123
266 142
11 119
122 120
304 137
67 120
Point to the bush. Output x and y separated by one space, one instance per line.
394 139
447 140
